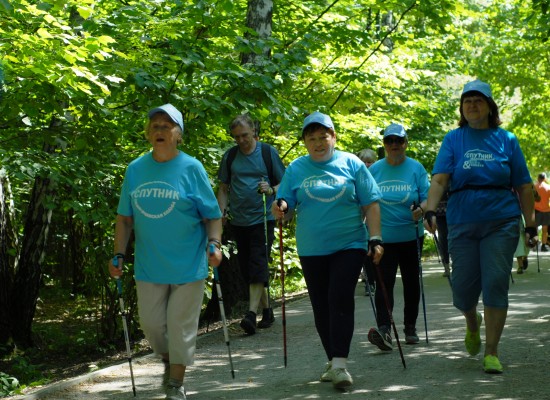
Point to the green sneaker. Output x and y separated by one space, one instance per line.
491 365
472 341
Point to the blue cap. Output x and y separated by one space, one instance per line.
171 111
319 118
395 130
478 86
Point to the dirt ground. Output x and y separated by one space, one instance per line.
439 369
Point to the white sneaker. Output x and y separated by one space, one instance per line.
327 375
175 393
341 378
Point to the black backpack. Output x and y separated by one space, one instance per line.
266 155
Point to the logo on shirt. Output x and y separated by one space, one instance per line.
324 188
477 159
395 192
155 199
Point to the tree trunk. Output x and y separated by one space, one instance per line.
29 272
6 271
234 289
259 17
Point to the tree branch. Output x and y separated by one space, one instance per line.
373 52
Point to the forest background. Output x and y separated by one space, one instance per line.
77 78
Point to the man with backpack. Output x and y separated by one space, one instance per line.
249 175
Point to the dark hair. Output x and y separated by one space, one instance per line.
494 118
244 120
314 127
542 176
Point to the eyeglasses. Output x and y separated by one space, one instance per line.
392 140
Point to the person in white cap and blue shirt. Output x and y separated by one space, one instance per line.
404 184
481 163
167 200
331 192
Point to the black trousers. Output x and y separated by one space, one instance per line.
251 247
405 256
331 282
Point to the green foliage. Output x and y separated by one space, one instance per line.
80 76
8 385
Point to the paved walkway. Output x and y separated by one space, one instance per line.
440 369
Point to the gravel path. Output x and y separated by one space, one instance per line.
440 369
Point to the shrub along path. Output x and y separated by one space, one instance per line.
440 369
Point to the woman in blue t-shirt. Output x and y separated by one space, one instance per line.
167 200
331 191
481 163
404 183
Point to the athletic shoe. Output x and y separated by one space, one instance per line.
520 270
326 376
491 365
341 378
472 341
446 270
175 393
248 323
410 335
381 338
543 248
267 318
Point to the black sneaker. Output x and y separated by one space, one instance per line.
381 338
410 335
543 248
267 318
248 323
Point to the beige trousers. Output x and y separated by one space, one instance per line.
169 317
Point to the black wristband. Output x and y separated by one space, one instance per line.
428 216
531 230
279 202
373 243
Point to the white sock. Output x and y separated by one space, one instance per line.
339 362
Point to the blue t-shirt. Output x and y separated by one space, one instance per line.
245 204
168 201
482 157
401 186
327 197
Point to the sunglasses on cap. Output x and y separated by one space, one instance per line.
394 139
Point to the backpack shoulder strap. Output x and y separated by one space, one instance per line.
232 153
266 155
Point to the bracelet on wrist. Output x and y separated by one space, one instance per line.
119 255
216 242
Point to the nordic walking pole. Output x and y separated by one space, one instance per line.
211 249
420 273
538 265
266 248
387 301
437 248
371 294
282 283
124 325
